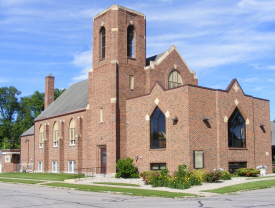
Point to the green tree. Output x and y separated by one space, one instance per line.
9 107
16 116
58 92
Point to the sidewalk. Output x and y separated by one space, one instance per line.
193 190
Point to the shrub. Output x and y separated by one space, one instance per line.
226 175
183 178
199 173
248 172
126 169
182 171
214 176
273 169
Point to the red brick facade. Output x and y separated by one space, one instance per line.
10 160
125 128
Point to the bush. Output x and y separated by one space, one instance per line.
182 171
126 169
199 173
248 172
148 175
183 178
226 175
214 176
273 169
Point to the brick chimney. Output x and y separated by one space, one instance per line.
49 90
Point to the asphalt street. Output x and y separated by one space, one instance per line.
15 195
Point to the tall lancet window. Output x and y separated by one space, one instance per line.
236 130
130 41
102 34
157 130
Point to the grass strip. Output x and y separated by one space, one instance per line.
262 177
42 176
19 181
117 184
244 187
125 191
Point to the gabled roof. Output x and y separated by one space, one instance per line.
273 132
153 58
157 59
30 131
74 98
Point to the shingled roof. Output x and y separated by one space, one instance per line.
74 98
30 131
153 58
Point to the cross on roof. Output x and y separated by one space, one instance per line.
236 87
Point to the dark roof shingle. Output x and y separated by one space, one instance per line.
74 98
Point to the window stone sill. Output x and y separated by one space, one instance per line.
236 148
160 149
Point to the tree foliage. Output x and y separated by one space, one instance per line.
17 114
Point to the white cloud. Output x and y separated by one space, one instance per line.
250 80
3 80
83 60
260 66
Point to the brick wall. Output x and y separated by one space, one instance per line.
27 152
191 104
64 152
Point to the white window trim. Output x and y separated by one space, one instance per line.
72 142
55 144
54 164
73 166
7 159
40 166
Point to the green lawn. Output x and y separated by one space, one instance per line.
19 181
252 178
126 191
41 176
244 187
117 184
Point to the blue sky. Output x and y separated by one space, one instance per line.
220 40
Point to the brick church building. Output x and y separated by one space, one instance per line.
149 109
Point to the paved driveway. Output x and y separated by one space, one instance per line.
15 195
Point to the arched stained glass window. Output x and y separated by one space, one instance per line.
236 130
41 136
174 79
103 43
157 130
130 41
72 132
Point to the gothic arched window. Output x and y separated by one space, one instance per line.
236 130
157 130
72 132
174 79
102 47
130 41
41 136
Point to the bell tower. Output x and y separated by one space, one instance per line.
119 58
124 38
